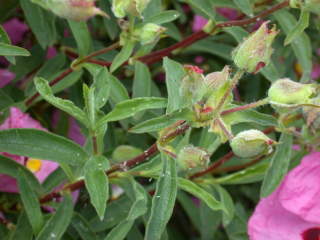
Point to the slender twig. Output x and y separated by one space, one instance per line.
118 167
244 107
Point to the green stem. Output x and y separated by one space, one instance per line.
247 106
224 128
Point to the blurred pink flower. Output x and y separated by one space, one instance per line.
15 29
51 52
198 23
5 77
315 74
292 211
40 168
229 13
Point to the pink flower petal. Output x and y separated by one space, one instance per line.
228 13
301 191
5 77
198 23
15 29
315 74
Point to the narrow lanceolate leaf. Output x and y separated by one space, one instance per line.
158 123
41 145
245 6
227 202
142 81
13 168
174 74
30 202
122 56
301 45
199 192
279 165
4 38
164 17
102 88
205 6
302 24
23 228
139 207
59 222
11 50
82 36
65 105
82 226
130 107
97 184
118 92
163 200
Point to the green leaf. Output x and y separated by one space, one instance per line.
23 229
130 107
248 175
65 105
13 168
228 204
301 45
30 202
102 88
83 227
97 184
88 95
41 22
109 23
118 92
174 74
142 81
158 123
4 38
250 115
164 17
59 222
200 193
302 24
82 36
279 165
163 200
205 6
245 6
41 145
139 207
122 56
10 50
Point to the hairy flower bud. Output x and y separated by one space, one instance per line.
77 10
255 52
149 33
286 91
310 5
125 152
193 159
192 85
251 143
122 8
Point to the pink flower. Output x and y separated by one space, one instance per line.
40 168
15 29
292 212
315 74
228 13
5 77
198 23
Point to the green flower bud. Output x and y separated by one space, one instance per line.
310 5
286 91
149 33
125 152
193 159
192 85
77 10
122 8
312 115
254 53
251 143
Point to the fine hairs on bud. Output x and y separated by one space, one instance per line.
192 159
286 91
251 143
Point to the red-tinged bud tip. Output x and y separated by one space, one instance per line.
195 69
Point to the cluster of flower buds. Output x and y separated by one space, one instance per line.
286 91
251 143
255 52
122 8
193 159
309 5
77 10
